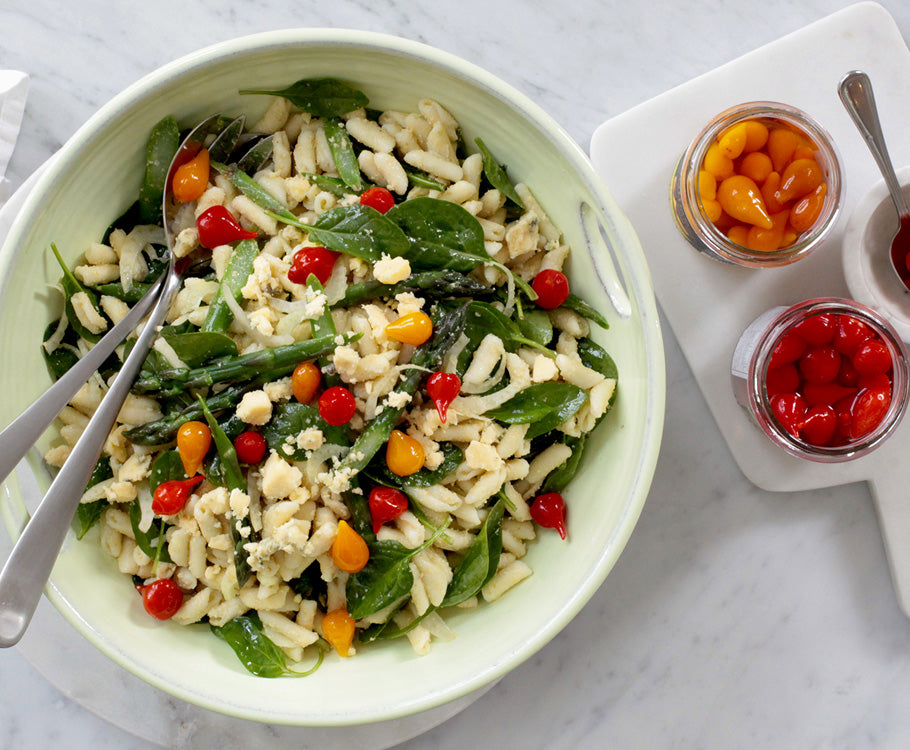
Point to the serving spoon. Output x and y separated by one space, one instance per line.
30 563
855 91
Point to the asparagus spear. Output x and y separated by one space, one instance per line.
447 327
432 283
279 359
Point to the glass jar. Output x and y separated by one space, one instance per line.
689 209
752 363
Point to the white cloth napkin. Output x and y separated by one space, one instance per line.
13 93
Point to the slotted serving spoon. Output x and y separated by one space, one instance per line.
30 563
855 91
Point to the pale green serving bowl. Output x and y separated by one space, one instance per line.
93 179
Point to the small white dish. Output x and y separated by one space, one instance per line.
867 266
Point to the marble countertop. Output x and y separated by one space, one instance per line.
735 618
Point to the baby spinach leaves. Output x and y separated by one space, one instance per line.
321 97
256 651
440 234
481 560
578 305
496 175
166 467
289 420
64 356
387 577
88 514
198 347
150 541
542 405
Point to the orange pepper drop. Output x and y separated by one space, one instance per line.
807 210
305 382
338 629
191 179
717 163
193 442
799 178
756 136
404 455
350 552
767 240
411 328
769 191
733 140
782 142
741 198
756 166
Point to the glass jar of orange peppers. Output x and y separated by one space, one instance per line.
760 186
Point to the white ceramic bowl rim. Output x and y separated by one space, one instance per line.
637 282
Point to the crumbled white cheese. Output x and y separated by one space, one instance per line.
279 390
389 270
310 439
255 408
240 504
482 456
279 478
398 399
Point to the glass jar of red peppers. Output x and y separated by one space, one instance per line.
826 379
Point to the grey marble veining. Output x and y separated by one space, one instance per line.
735 618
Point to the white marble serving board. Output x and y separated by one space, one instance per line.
709 304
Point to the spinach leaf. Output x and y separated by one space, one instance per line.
256 651
361 518
71 286
578 305
381 631
357 230
497 176
64 356
481 560
536 326
557 479
343 153
165 467
386 578
309 584
163 143
289 420
88 514
198 347
441 234
152 541
321 97
595 356
542 405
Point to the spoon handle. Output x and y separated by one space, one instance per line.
24 431
855 91
32 559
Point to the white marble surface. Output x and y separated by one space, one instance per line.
735 617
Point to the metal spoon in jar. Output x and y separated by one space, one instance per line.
30 563
855 91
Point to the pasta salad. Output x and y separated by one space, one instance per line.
370 392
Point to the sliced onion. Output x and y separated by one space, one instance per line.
451 358
56 338
485 385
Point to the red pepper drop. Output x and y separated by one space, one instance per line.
443 387
170 497
549 510
162 598
386 504
217 226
